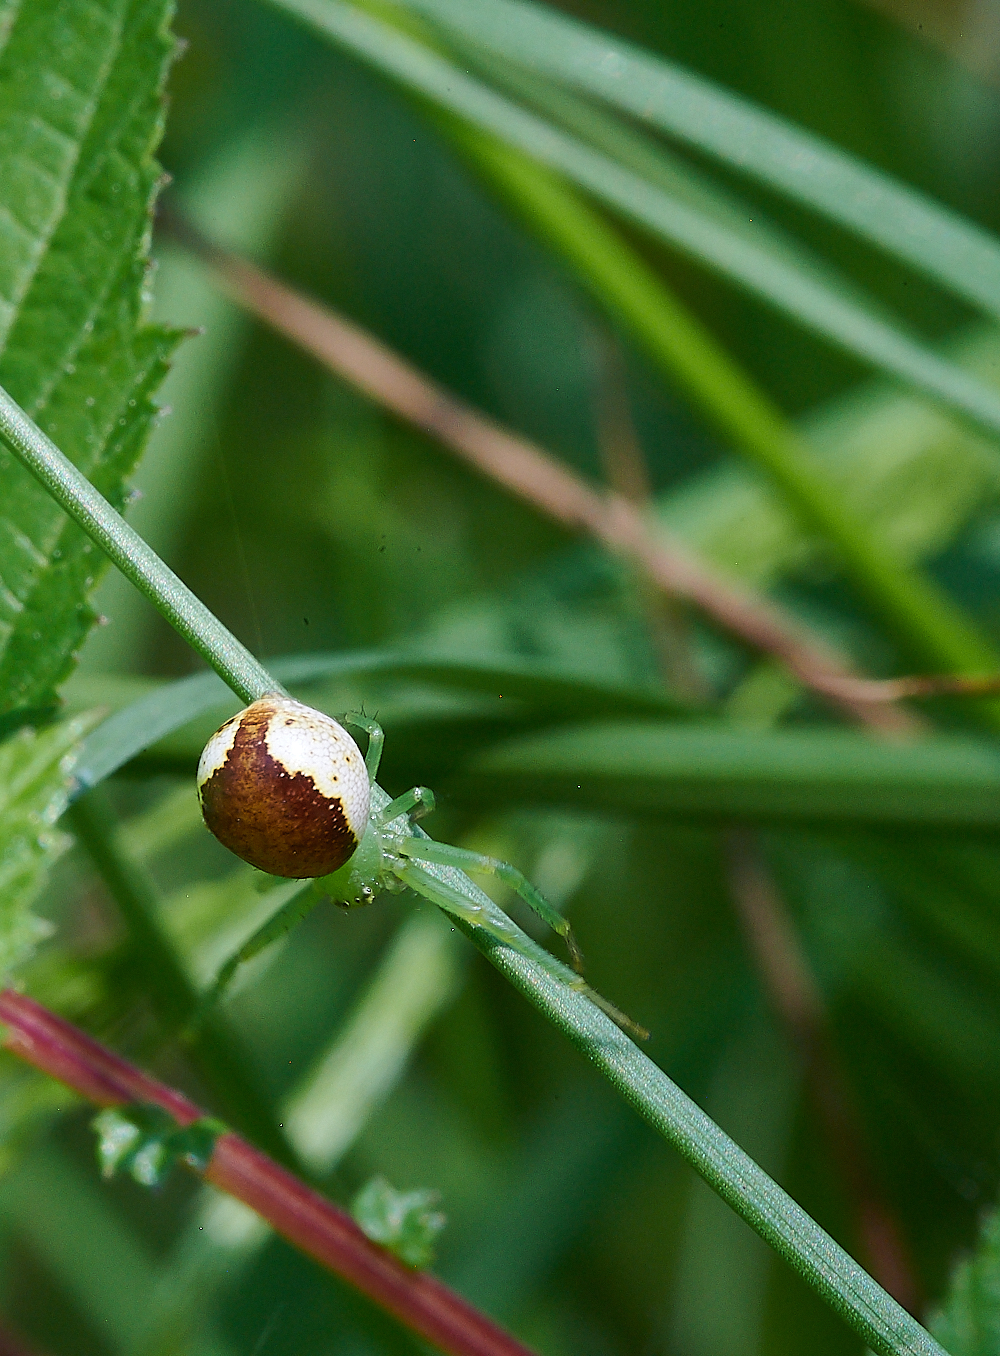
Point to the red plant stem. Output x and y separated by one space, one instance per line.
301 1215
11 1344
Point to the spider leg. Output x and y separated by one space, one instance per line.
439 892
416 803
376 739
281 921
446 897
424 850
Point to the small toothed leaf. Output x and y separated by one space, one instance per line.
146 1142
405 1222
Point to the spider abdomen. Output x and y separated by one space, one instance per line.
285 787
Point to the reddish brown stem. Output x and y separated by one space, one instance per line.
628 476
301 1215
860 690
11 1344
541 480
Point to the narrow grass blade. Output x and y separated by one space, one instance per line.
752 140
703 236
921 616
54 1045
835 1276
88 507
718 774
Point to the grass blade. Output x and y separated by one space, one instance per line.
920 615
169 707
758 143
54 1045
933 630
72 490
704 236
714 773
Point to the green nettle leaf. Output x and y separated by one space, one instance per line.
405 1222
34 788
146 1142
81 112
968 1323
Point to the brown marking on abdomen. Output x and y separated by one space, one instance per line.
276 820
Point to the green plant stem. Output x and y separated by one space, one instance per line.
756 1198
921 617
213 1050
186 613
822 1263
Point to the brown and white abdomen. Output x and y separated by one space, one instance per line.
285 787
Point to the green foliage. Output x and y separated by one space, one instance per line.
731 129
968 1323
405 1222
776 277
518 671
35 779
80 114
147 1143
778 775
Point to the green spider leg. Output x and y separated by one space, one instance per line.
291 913
414 804
439 892
390 860
424 850
376 740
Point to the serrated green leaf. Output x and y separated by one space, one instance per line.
968 1323
80 114
146 1142
405 1222
35 771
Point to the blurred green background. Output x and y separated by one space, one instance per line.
309 520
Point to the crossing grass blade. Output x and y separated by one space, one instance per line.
712 773
755 142
821 1262
673 218
170 706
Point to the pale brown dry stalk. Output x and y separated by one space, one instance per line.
542 481
627 474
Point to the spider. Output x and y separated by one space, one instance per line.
286 788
